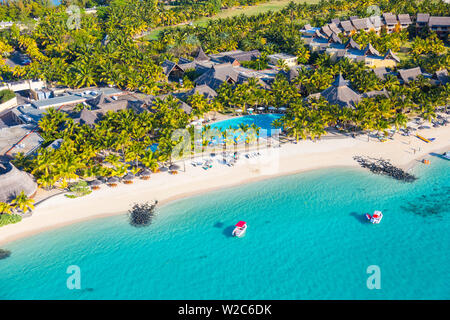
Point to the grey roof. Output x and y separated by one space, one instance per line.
13 182
375 93
380 72
361 24
335 21
423 17
58 101
326 30
341 94
404 18
390 55
291 74
168 66
334 38
352 44
353 18
390 19
86 117
187 65
334 27
409 74
442 76
318 34
201 56
347 26
204 90
218 74
114 105
439 22
242 56
370 50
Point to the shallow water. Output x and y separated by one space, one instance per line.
307 239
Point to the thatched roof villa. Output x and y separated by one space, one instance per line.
13 181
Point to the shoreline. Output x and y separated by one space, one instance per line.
59 211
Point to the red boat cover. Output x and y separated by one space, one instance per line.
375 216
240 224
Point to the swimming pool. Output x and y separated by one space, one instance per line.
264 121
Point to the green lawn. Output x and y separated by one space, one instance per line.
273 5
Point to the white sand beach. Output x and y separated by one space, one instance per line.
290 158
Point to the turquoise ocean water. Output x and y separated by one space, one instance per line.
307 239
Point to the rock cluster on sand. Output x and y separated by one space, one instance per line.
381 166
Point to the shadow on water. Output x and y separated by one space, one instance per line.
437 155
359 216
4 254
429 205
228 231
218 225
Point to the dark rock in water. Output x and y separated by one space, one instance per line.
4 254
142 214
381 166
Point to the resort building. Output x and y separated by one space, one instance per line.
235 57
440 25
407 75
352 51
217 75
441 77
202 89
341 94
422 20
13 182
287 59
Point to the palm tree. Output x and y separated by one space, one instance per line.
23 202
5 208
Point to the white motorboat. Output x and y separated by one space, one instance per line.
375 218
240 229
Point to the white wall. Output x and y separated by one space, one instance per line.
8 104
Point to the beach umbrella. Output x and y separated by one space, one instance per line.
201 120
145 173
163 169
129 177
250 109
238 110
113 180
282 109
272 108
260 108
95 183
174 167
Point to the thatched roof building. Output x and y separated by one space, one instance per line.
13 181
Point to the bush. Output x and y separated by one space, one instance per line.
9 219
6 95
79 189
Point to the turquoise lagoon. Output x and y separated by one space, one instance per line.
307 239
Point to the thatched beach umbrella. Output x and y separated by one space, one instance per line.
112 182
163 169
128 179
145 174
95 184
173 168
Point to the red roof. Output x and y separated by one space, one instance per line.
240 224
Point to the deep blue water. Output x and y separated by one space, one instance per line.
307 239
